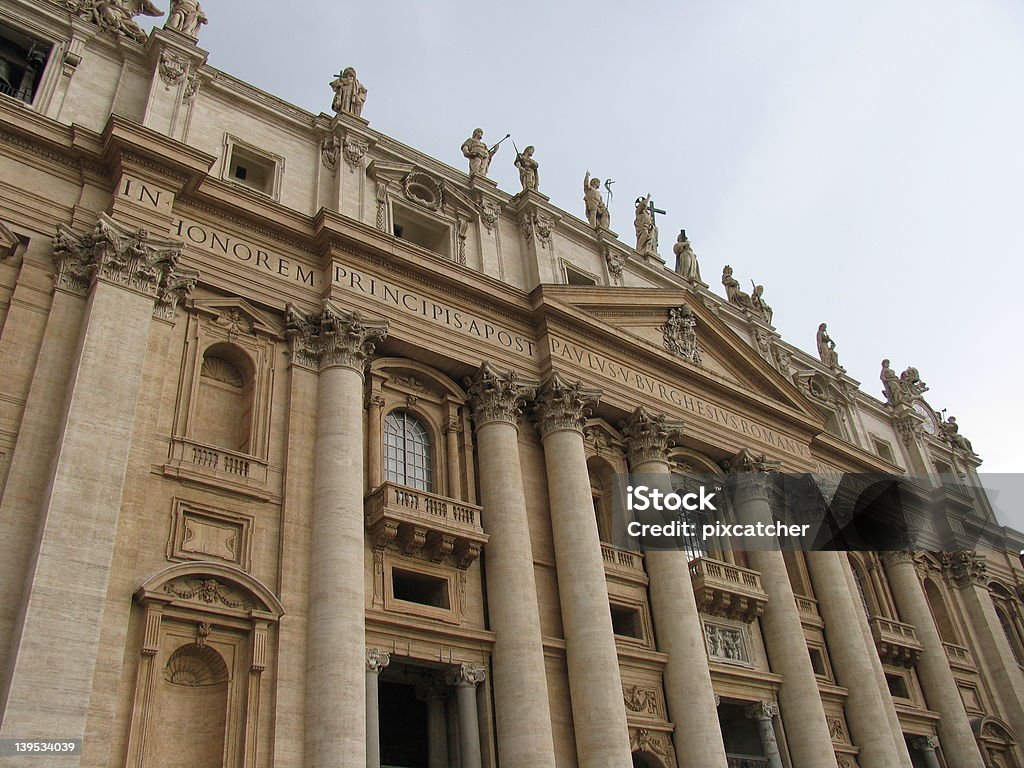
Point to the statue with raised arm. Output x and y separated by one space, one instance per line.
686 259
646 231
827 348
951 431
349 93
597 211
528 175
186 16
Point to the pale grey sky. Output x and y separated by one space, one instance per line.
862 159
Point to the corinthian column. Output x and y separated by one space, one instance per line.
126 276
376 660
810 743
598 710
940 689
691 700
764 713
865 708
336 343
968 572
523 720
465 678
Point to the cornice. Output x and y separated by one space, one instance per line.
125 142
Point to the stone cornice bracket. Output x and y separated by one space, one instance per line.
332 338
563 405
126 256
376 659
762 710
752 476
466 675
965 568
498 395
649 436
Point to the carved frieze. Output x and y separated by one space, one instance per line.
640 699
333 337
536 226
489 213
172 68
209 591
725 643
353 150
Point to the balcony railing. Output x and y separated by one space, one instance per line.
422 522
212 465
896 642
727 590
744 761
623 563
959 656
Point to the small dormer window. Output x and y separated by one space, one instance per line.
252 168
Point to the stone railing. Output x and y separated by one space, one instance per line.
213 465
727 590
745 761
959 656
896 642
420 522
623 563
807 606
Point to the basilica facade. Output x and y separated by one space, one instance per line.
309 447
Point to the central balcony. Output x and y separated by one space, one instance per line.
727 590
896 642
425 524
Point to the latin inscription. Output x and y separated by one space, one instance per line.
145 194
564 350
414 303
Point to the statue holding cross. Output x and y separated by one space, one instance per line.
646 229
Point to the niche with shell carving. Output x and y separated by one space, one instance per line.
204 642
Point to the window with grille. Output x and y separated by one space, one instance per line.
860 590
1011 636
407 458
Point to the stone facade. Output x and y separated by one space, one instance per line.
226 325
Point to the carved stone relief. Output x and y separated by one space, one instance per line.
726 643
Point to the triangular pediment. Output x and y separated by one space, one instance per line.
238 313
642 314
8 241
422 187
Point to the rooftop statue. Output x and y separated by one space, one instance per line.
186 16
951 431
478 153
827 348
349 93
646 231
760 305
528 175
597 211
116 15
686 259
733 292
891 385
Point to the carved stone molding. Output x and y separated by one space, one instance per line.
536 225
376 659
124 256
489 213
655 742
615 261
465 675
209 591
640 699
965 569
649 436
680 333
925 743
191 87
329 149
353 150
725 643
837 730
498 395
561 404
333 337
762 710
172 68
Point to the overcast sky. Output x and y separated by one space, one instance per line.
863 160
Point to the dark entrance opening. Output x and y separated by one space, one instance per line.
403 726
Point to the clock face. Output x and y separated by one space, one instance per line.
926 414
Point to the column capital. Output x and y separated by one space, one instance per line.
899 557
563 405
497 395
965 568
752 476
332 338
431 689
925 743
466 675
376 659
762 710
649 435
130 257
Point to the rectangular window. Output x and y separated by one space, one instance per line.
576 276
626 622
252 168
883 449
421 588
897 686
22 60
422 230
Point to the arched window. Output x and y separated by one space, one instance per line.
1011 635
407 458
940 613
